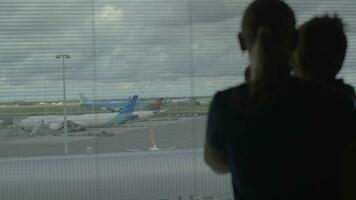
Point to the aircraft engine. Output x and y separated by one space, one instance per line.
56 126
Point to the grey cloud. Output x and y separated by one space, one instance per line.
131 42
175 13
32 55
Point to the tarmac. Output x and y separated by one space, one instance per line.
179 133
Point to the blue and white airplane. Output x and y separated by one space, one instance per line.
86 120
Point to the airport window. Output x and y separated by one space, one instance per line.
111 97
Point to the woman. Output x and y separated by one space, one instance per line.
275 133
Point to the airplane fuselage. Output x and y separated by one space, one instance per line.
86 120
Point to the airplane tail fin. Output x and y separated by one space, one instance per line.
83 98
130 105
125 113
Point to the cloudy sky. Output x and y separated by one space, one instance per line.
124 47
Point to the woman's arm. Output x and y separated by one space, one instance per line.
214 150
216 159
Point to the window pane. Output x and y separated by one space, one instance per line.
174 55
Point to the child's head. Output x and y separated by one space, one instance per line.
321 48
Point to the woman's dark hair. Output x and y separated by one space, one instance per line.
268 27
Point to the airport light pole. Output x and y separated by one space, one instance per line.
45 91
63 57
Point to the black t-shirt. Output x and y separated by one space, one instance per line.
340 85
288 149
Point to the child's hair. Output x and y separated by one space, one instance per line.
322 47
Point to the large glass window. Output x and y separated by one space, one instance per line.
180 51
102 55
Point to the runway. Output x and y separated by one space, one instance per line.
183 133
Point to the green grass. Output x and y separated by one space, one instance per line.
40 109
183 110
187 109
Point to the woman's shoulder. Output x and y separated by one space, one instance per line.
233 97
240 91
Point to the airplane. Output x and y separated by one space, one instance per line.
144 111
149 175
112 105
86 120
103 105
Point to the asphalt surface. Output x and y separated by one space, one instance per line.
149 175
182 133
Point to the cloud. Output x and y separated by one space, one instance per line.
127 44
